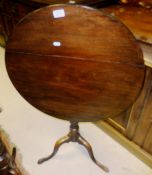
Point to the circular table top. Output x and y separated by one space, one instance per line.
75 63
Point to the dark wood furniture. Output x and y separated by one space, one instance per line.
60 66
7 160
128 122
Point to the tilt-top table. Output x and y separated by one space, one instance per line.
77 64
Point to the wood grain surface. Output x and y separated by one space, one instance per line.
136 18
75 63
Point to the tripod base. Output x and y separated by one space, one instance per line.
74 136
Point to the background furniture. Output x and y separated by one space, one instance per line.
136 123
7 161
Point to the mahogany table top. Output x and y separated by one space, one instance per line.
75 63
